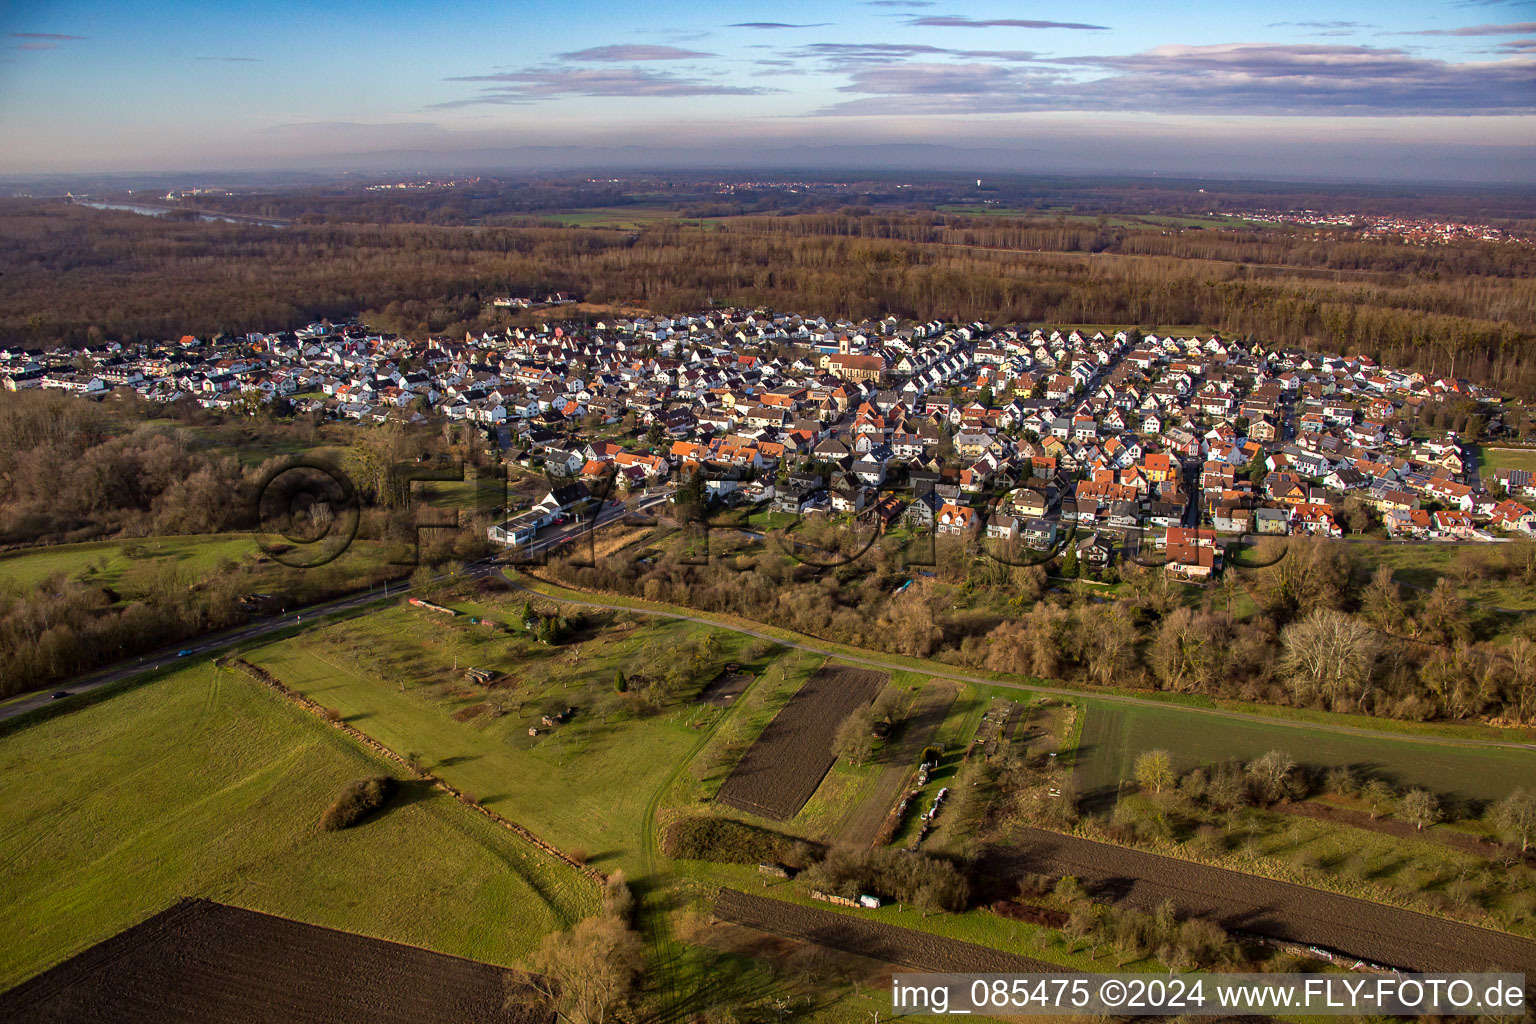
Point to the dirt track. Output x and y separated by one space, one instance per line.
887 943
783 767
862 824
205 962
1240 902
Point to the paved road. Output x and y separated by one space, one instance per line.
937 673
167 657
553 537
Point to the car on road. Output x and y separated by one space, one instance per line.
58 695
184 653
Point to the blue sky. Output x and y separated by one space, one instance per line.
1420 88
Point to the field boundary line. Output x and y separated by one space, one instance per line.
266 678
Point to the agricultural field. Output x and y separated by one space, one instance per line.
782 769
584 783
887 943
1506 458
898 762
961 720
628 218
1114 734
1108 219
1244 902
201 960
201 783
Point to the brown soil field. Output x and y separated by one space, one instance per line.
206 962
1263 906
723 691
783 767
887 943
862 825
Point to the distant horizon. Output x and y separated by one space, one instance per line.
298 177
1426 91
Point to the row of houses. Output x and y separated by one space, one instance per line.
978 426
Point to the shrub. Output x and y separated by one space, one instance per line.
930 883
357 799
725 841
1342 780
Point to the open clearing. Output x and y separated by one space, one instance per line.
116 564
205 784
1248 903
1114 734
887 943
786 763
630 218
1422 565
201 961
1506 458
132 568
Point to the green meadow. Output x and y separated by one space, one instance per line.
202 783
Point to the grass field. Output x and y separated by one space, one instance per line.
129 566
1421 566
624 217
115 563
1506 458
1110 219
1114 734
582 785
204 784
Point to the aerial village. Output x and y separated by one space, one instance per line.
1112 441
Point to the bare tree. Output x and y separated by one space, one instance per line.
589 972
1377 795
1154 770
1421 807
1328 654
1271 775
1515 818
855 737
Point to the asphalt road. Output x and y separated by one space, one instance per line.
167 658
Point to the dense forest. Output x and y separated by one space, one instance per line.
75 275
73 470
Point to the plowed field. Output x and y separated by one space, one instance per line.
205 962
783 767
887 943
1241 902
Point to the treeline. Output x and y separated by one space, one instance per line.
85 274
64 477
73 470
1326 633
1283 245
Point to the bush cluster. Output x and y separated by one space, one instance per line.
926 882
358 799
724 841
